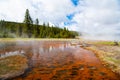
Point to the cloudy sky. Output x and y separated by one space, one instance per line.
91 17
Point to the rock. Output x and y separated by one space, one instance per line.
92 67
81 67
12 66
102 73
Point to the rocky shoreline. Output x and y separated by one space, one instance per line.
13 66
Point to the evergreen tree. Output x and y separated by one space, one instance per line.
20 31
48 24
37 22
28 21
37 30
44 24
28 29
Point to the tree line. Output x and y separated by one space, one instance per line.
27 29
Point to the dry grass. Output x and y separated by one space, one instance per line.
106 51
12 66
109 55
36 39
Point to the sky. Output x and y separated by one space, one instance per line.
95 19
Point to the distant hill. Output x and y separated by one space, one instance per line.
22 30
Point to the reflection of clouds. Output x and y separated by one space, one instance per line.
22 52
68 45
34 50
61 47
41 50
50 48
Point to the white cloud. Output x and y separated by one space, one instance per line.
99 18
54 11
93 17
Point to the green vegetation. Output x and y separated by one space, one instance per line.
112 60
107 43
28 29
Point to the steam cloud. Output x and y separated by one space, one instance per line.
98 19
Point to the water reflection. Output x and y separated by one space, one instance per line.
37 49
48 49
11 53
60 60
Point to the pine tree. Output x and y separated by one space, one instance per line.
44 24
37 30
20 31
37 22
28 21
48 24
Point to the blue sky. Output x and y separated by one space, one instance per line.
91 17
70 16
75 2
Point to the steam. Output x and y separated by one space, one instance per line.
98 19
